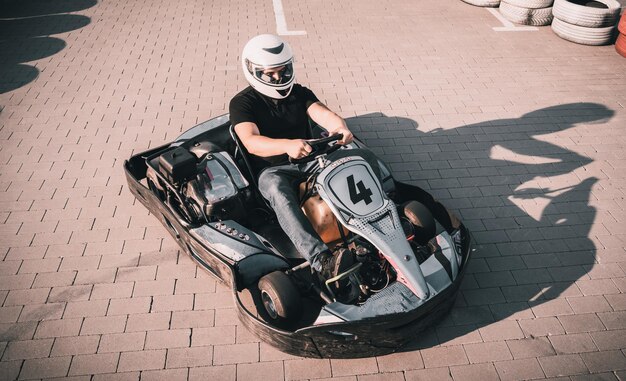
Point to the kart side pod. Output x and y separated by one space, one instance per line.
354 194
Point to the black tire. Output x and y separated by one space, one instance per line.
422 218
280 297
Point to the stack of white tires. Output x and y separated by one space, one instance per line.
587 22
527 12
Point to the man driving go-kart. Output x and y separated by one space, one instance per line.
271 118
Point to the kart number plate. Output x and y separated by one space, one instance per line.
356 189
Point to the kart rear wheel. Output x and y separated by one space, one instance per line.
422 219
280 297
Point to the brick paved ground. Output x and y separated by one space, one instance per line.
522 133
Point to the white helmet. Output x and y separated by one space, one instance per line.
264 52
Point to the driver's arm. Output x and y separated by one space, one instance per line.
332 122
263 146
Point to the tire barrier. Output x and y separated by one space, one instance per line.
483 3
620 44
525 15
581 34
597 14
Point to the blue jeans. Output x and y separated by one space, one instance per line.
279 186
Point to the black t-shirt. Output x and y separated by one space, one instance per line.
279 119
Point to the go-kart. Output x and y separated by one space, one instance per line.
407 267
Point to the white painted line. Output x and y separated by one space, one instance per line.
508 26
281 23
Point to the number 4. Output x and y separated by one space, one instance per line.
360 194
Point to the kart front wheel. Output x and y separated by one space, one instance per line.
280 297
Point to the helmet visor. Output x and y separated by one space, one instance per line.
276 75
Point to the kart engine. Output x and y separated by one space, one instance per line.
375 272
218 189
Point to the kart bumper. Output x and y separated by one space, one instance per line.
364 338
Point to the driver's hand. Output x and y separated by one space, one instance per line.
347 136
298 148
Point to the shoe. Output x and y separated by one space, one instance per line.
458 239
333 265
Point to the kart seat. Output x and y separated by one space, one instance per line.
242 152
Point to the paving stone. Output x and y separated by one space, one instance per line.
487 352
168 339
122 342
472 315
589 304
95 276
523 369
224 372
400 361
141 360
270 353
48 367
532 347
617 302
23 297
457 335
136 305
429 374
125 376
154 321
93 364
563 365
613 320
154 287
581 323
348 367
30 349
596 377
103 325
604 361
213 336
444 356
236 353
38 312
88 308
69 293
112 291
597 287
474 372
189 357
10 369
58 328
172 303
299 369
166 374
606 340
502 330
512 311
271 371
10 314
542 327
54 279
573 343
75 345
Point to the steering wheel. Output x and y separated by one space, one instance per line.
320 147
